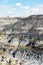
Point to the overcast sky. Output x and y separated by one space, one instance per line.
20 8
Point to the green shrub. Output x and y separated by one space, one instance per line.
22 48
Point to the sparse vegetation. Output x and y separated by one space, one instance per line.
28 32
22 48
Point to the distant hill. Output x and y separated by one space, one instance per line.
23 29
33 23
